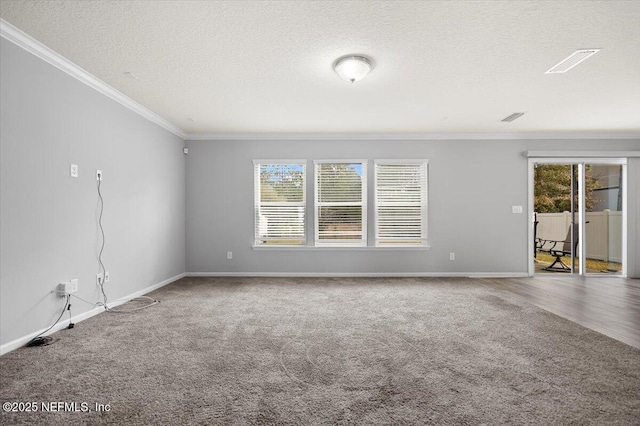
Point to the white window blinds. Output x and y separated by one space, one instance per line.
280 194
401 202
340 203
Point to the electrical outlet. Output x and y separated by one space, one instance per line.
99 278
98 174
73 170
229 255
452 256
106 277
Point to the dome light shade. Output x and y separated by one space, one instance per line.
352 68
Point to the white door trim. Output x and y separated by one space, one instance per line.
581 161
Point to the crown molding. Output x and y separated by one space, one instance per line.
397 136
581 154
33 46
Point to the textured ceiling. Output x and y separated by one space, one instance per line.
440 66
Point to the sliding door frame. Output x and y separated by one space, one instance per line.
580 162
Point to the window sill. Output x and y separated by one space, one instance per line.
352 248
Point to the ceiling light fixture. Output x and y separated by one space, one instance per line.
572 60
352 68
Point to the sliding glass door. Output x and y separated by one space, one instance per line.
556 218
578 216
603 218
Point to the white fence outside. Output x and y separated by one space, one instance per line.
603 232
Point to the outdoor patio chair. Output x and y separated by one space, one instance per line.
558 249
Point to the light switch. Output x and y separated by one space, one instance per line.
516 209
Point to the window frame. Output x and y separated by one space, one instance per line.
424 204
336 243
257 203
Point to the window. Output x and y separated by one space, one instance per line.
340 203
280 194
401 202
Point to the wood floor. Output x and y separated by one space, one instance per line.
608 305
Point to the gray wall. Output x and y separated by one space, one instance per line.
49 229
472 186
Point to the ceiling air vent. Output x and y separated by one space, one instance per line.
513 117
572 60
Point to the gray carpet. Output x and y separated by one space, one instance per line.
329 351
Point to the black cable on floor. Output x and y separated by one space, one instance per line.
71 325
40 340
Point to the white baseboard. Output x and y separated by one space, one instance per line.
21 341
146 290
362 274
497 275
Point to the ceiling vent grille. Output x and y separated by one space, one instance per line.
572 60
513 117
